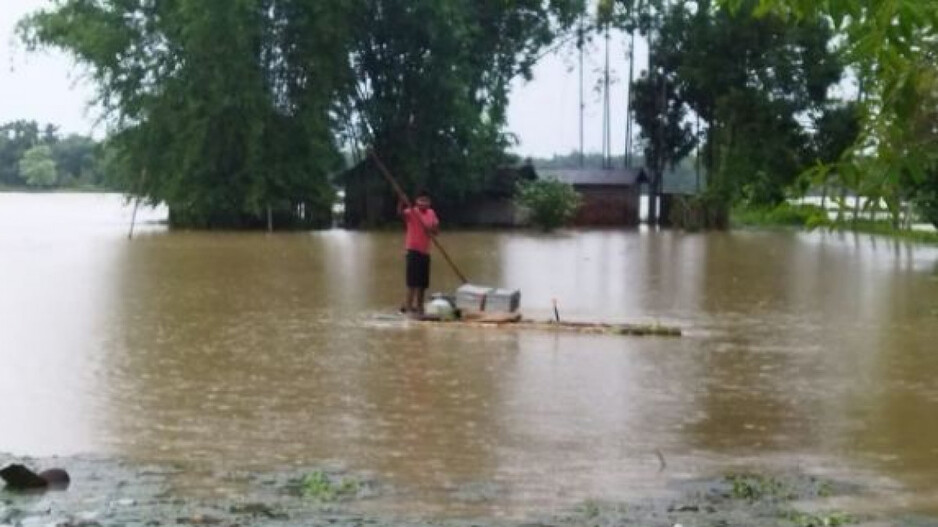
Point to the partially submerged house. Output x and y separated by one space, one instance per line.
369 201
611 197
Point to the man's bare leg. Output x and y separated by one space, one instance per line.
408 305
419 295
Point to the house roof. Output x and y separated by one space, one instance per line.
612 177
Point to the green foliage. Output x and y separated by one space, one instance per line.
320 486
829 519
888 229
227 110
15 139
223 110
754 487
749 80
432 79
661 114
76 158
892 48
926 200
38 168
784 214
551 203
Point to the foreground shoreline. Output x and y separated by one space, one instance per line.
109 492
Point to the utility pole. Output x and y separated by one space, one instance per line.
628 104
579 44
607 124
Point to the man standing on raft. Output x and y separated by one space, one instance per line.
421 223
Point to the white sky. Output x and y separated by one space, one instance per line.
48 87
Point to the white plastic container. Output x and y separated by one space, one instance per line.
440 307
473 298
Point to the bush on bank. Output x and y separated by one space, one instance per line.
551 203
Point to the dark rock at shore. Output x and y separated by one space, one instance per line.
18 477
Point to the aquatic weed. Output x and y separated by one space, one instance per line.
319 486
825 490
830 519
754 487
590 509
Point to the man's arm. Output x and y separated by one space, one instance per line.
401 208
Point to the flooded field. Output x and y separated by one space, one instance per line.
220 353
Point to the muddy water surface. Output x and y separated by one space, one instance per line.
228 352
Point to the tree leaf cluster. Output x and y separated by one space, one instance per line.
892 48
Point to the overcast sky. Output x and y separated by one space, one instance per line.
48 87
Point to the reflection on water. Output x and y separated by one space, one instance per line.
251 351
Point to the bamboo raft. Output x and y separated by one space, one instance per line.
516 321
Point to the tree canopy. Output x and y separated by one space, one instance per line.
752 81
229 111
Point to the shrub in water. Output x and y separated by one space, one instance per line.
551 203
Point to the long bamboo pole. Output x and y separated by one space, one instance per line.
403 197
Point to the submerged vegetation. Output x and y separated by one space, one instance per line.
815 217
784 214
322 487
755 487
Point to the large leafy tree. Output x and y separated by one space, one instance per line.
432 80
662 115
751 81
222 109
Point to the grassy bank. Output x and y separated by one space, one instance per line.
814 217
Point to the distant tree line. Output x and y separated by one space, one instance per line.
39 157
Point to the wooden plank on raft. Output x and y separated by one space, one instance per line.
516 321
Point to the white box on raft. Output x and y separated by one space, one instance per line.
475 298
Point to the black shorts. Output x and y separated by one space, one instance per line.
418 270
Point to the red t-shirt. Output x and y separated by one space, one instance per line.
417 239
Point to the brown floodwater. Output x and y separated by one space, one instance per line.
228 352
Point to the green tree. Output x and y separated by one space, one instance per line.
15 139
224 110
76 158
891 48
667 136
836 130
38 168
432 79
750 80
